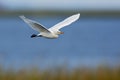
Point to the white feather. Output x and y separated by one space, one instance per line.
34 25
65 22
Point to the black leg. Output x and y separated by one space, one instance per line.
34 35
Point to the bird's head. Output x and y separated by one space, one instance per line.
60 32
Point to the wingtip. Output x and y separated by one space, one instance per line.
22 16
78 14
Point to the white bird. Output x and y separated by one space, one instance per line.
52 32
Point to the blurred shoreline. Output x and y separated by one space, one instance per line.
61 73
59 12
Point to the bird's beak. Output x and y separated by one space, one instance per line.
61 32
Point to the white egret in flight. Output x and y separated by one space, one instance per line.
52 32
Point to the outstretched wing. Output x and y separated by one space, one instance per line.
34 25
65 22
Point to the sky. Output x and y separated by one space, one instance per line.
62 4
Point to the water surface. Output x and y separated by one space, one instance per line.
89 41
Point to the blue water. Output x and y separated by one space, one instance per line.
87 42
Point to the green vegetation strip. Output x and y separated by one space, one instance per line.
62 73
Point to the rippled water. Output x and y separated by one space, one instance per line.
89 41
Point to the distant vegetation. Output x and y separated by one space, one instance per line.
59 12
62 73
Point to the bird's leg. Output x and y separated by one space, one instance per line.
34 35
39 35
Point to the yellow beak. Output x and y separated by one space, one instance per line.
61 32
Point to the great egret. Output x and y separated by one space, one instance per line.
52 32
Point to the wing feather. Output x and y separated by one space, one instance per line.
65 22
34 25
